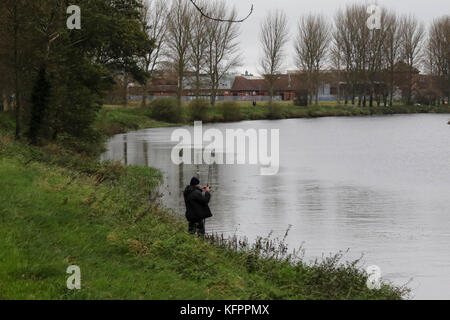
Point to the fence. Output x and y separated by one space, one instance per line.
229 98
218 98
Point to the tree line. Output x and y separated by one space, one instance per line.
368 64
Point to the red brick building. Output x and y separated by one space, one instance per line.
284 87
245 87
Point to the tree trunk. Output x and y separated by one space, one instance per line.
197 85
213 96
339 94
16 72
391 88
180 89
125 90
2 100
9 106
409 91
18 114
144 93
271 93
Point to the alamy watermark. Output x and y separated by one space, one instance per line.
374 277
74 281
374 21
229 148
74 20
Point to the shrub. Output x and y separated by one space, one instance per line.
216 118
230 111
254 115
92 147
167 110
7 123
274 111
199 110
301 98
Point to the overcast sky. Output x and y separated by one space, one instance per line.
426 10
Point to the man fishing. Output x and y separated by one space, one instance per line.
197 209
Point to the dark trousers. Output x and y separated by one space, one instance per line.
197 227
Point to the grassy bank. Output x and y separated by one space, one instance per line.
289 111
58 209
115 119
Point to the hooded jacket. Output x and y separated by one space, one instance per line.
196 204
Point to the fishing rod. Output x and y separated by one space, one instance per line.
208 181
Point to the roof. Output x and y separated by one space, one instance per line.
285 82
163 88
244 84
168 84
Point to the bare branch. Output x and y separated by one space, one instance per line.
199 9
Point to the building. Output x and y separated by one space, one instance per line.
167 86
190 86
253 87
244 87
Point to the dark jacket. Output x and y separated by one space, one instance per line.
196 204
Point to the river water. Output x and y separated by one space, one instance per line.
379 186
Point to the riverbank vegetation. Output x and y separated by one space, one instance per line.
61 208
118 119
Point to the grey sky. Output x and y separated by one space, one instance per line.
426 10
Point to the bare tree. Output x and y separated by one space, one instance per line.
179 37
311 46
356 44
337 63
155 22
379 52
222 50
273 37
391 47
361 51
412 36
341 53
199 47
438 53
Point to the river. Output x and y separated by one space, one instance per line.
378 186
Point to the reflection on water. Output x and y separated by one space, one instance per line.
378 186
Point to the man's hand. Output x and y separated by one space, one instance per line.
207 189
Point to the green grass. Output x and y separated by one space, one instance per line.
58 209
116 119
261 112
